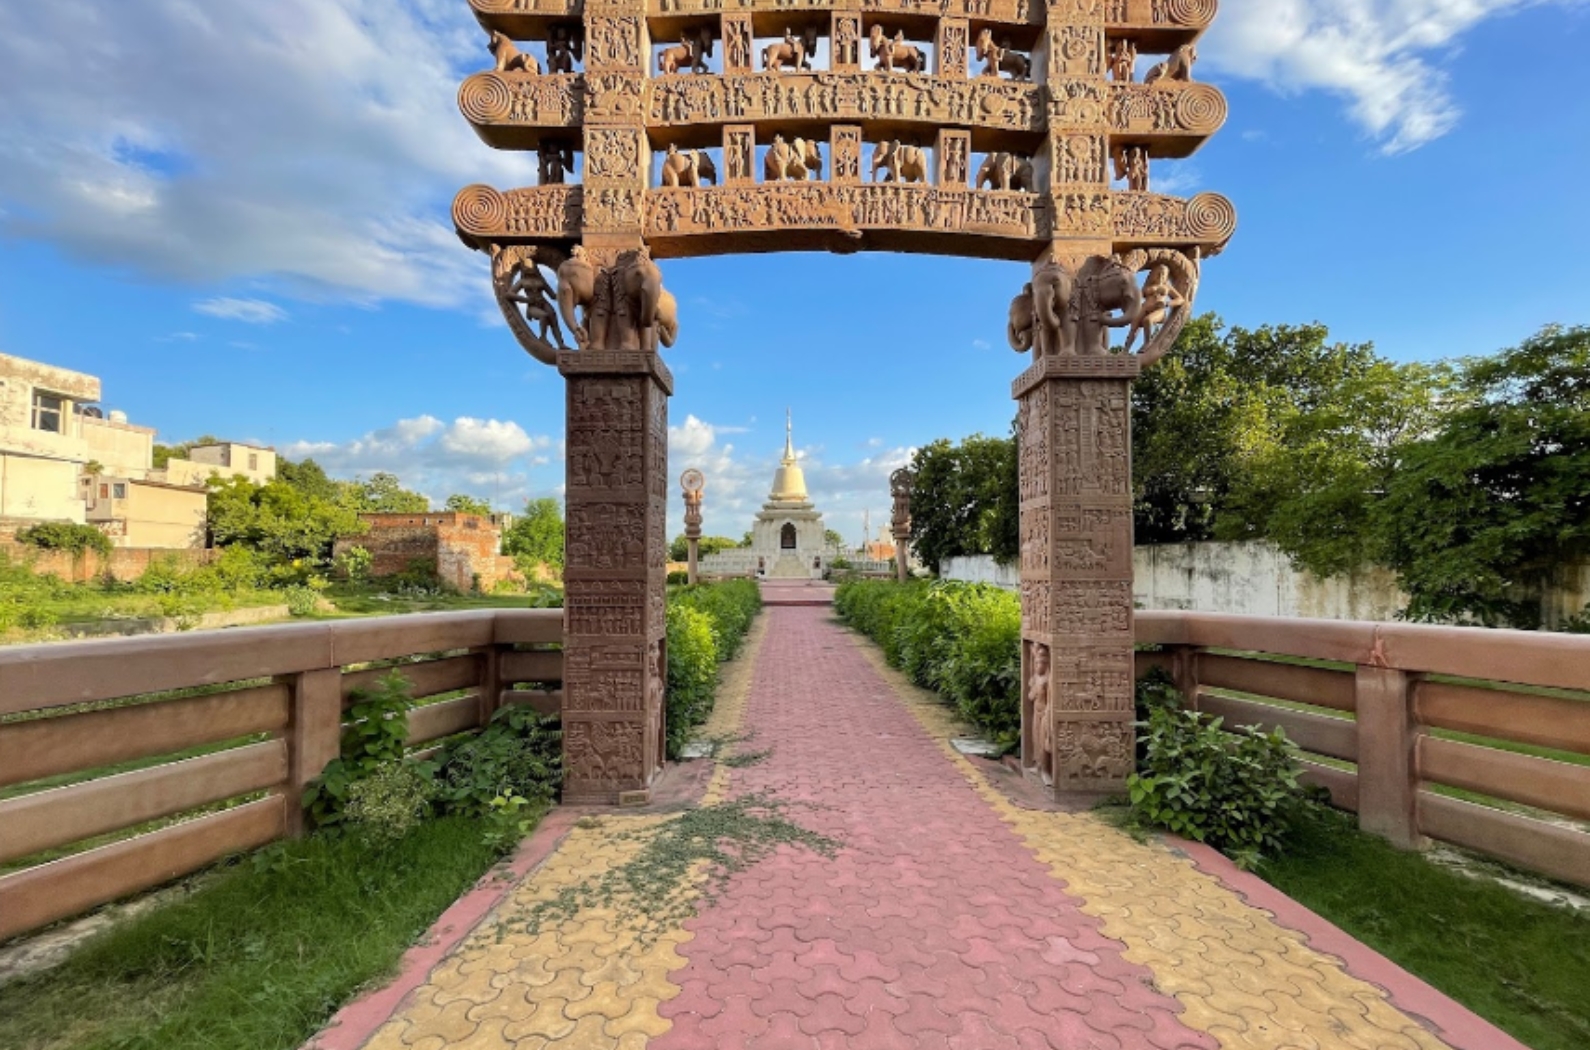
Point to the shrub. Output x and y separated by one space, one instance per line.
1237 792
519 753
963 641
354 563
302 600
678 579
692 672
731 606
375 734
65 536
389 802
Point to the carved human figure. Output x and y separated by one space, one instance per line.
1038 699
1123 61
900 162
846 42
1176 68
530 290
737 46
655 678
1160 297
565 46
554 160
1131 164
1006 171
896 54
999 58
509 58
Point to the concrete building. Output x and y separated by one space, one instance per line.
228 459
463 550
788 539
145 513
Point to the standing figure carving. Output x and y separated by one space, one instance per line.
1131 164
901 163
565 46
896 54
901 484
1176 68
999 58
526 299
1160 298
1123 61
554 161
509 58
1038 701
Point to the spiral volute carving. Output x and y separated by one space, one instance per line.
485 98
1211 217
480 210
1201 108
1188 12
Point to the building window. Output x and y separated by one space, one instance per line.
47 412
120 490
104 492
253 461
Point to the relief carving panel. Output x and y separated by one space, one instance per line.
773 206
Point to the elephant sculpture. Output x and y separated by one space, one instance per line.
792 160
577 295
793 52
1106 295
688 168
896 54
1006 171
902 163
617 308
1178 67
1020 329
666 327
1051 309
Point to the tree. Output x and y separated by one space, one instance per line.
1497 500
307 477
679 549
833 539
748 540
965 501
383 494
536 538
460 504
277 519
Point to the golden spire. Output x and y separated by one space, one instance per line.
789 438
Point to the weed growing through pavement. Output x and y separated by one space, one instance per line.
655 891
742 759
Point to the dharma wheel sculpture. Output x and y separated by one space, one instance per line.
983 128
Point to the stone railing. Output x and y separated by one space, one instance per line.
257 711
1424 732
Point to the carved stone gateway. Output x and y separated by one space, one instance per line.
1000 129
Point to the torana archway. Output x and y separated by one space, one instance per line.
978 128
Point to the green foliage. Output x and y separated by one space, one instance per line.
518 754
1498 499
354 564
679 549
278 521
677 579
375 734
692 673
65 536
961 640
309 478
511 819
1237 792
461 504
390 801
302 600
833 539
536 537
966 500
382 494
731 606
253 956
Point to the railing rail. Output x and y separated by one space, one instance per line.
222 730
1426 732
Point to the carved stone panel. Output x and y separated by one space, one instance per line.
954 155
739 44
845 37
739 155
845 151
951 47
614 42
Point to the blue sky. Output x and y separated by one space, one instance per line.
237 216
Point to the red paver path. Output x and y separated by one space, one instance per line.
933 927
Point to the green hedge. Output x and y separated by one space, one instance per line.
707 624
961 640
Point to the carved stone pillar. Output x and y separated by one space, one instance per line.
901 484
739 44
951 45
1074 443
694 485
1075 158
615 574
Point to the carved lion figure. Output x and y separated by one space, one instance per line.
1178 67
896 54
687 168
1006 171
901 162
509 58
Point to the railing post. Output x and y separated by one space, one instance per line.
490 681
1387 767
1184 672
314 736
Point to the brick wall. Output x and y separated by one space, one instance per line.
125 563
463 549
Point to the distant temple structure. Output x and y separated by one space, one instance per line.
788 539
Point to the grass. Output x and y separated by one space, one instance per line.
259 956
1519 963
372 600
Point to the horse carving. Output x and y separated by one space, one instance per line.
999 58
692 51
896 54
794 53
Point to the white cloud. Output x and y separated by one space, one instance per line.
1378 54
248 311
313 143
481 457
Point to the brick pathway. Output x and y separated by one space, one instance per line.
949 918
